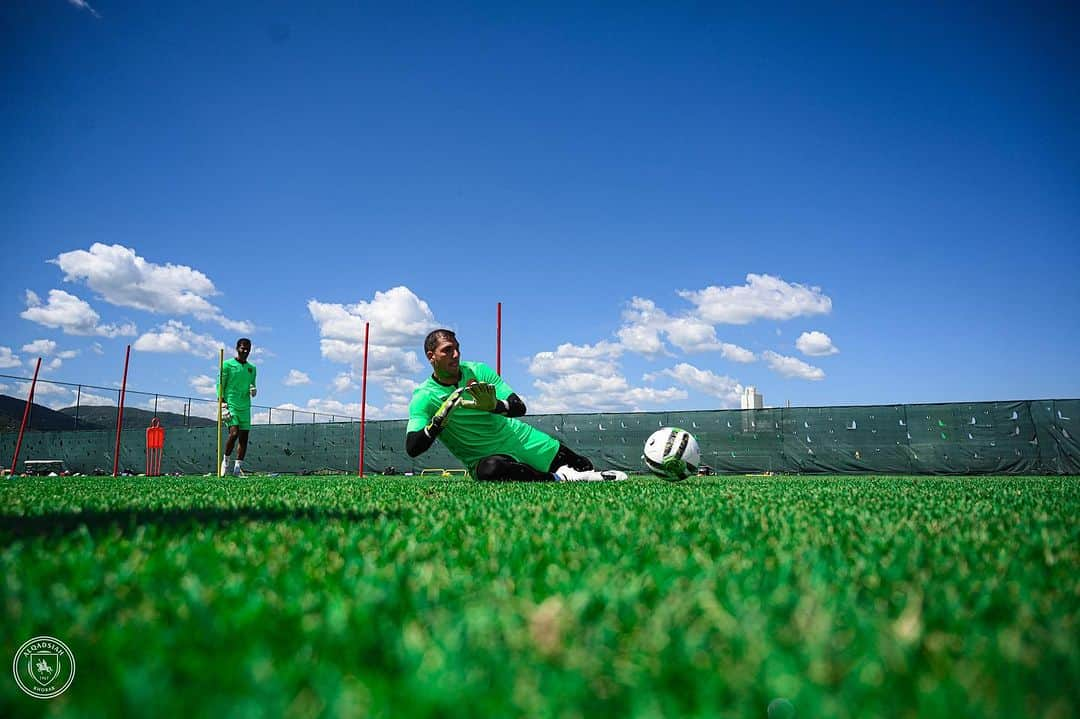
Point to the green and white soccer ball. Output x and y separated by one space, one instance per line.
672 454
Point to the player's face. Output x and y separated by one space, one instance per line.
242 351
446 359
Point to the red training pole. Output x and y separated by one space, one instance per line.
498 341
363 401
25 416
120 414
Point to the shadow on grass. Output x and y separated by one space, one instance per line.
127 520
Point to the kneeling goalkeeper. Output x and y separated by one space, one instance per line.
472 410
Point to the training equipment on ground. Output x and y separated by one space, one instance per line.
479 396
155 448
440 472
672 454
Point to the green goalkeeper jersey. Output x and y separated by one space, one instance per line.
236 381
470 434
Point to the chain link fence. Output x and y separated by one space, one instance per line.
63 406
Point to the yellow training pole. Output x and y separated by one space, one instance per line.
221 368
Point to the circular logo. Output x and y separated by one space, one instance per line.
44 667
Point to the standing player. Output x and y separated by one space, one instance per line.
473 411
236 387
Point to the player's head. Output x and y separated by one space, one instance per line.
443 352
243 348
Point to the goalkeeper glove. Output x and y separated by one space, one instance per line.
482 399
442 415
226 415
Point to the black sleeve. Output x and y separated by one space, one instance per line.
416 443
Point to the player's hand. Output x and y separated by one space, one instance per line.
442 415
254 391
480 396
226 415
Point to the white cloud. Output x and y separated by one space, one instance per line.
339 410
324 410
46 348
815 344
296 377
175 405
341 351
384 363
71 314
175 336
584 392
398 318
97 348
342 383
792 367
40 347
88 399
47 394
7 359
400 386
54 364
762 297
42 389
206 410
569 358
703 381
125 279
691 334
646 325
583 378
84 5
204 385
287 413
399 321
735 353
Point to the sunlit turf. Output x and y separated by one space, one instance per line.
408 597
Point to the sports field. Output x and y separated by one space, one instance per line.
407 597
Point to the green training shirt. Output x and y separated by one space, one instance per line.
236 379
470 434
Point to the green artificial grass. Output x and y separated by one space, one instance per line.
407 597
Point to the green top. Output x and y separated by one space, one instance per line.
236 379
470 434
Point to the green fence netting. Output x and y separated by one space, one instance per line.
1021 437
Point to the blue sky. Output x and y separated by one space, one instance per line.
836 205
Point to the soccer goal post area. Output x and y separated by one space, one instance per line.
1022 437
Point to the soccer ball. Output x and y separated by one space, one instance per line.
672 453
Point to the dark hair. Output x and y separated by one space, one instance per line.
435 336
241 341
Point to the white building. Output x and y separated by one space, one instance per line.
751 399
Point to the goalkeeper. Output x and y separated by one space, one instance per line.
472 410
236 387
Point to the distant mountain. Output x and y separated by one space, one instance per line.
41 417
134 418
